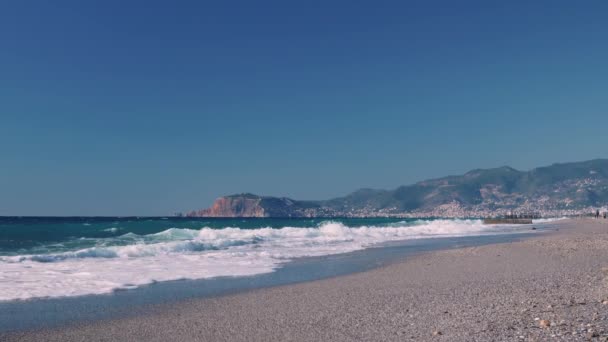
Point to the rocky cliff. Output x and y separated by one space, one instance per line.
233 206
249 205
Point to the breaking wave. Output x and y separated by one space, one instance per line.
132 260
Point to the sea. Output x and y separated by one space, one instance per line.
53 257
62 270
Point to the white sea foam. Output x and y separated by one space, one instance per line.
547 220
196 254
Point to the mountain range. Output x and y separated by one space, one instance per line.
558 189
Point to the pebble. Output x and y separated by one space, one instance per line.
437 333
544 323
591 334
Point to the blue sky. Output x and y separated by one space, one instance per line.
146 107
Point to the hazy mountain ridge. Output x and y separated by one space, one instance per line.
559 188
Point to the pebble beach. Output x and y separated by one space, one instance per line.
553 286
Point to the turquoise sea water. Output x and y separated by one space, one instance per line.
62 270
66 257
33 235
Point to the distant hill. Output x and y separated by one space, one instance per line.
559 188
250 205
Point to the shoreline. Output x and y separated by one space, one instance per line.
473 293
98 258
62 311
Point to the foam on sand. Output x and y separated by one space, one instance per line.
133 260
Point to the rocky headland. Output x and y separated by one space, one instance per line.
556 190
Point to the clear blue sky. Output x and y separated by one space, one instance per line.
146 107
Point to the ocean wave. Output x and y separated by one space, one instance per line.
548 220
183 253
184 240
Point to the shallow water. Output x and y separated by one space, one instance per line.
66 257
36 313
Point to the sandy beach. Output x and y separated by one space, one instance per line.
548 287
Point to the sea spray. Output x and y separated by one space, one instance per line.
131 259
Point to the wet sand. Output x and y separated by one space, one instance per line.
549 287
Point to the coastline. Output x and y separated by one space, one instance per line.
38 313
475 293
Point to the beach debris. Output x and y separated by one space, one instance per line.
544 323
437 333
